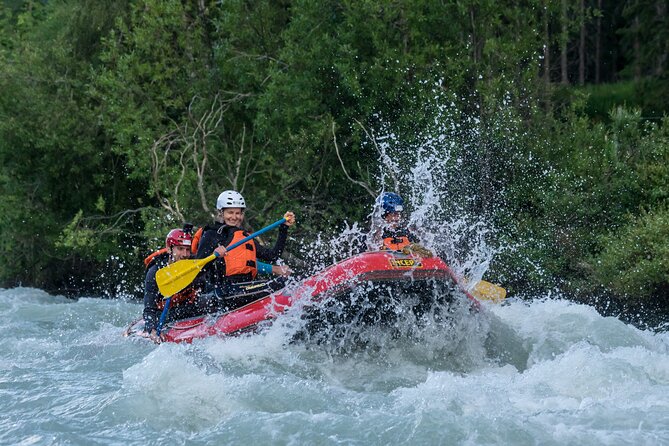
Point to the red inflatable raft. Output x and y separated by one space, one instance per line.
388 269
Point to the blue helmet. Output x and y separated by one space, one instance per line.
391 202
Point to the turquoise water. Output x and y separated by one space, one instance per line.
548 372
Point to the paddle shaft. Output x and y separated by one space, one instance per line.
277 223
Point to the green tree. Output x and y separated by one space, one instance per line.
51 151
597 181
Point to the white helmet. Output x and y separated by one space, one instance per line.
230 199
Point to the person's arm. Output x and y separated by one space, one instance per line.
263 268
271 254
210 242
151 298
374 240
277 270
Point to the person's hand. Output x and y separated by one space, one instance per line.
281 270
155 338
220 251
290 218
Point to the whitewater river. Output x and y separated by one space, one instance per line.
547 373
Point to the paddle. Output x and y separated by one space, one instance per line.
488 291
177 276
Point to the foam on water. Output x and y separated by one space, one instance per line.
586 379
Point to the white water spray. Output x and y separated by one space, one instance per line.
434 173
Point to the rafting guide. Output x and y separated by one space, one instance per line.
389 230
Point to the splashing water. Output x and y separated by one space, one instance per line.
427 317
434 174
430 173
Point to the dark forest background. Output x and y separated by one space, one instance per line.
121 119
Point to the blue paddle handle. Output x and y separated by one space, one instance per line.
256 234
163 315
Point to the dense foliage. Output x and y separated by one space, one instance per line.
121 119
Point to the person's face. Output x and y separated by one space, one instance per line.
180 253
233 216
393 218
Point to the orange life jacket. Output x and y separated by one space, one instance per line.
153 255
242 259
196 240
395 243
187 295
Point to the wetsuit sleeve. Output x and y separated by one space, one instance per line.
151 298
271 254
264 268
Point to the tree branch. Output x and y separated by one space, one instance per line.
364 185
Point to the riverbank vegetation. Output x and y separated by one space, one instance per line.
120 119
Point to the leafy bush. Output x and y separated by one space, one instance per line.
635 260
651 95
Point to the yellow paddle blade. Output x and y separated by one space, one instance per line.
178 275
488 291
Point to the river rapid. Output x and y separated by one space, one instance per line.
546 372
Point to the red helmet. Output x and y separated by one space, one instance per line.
177 237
